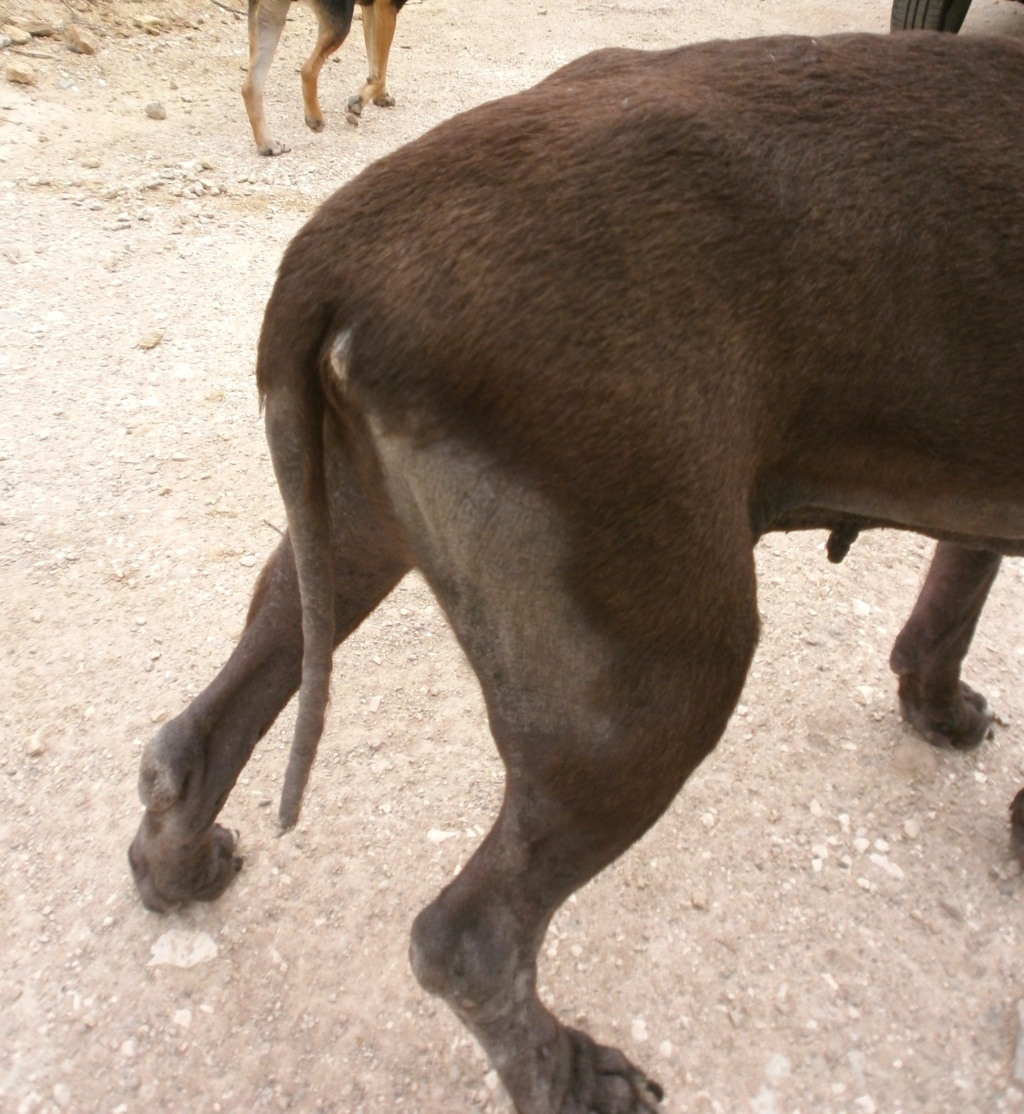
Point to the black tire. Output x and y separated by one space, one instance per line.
928 15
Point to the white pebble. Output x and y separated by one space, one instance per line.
639 1030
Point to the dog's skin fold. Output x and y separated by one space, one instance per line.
571 354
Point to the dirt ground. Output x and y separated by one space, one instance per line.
827 920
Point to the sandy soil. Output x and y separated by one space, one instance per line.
828 919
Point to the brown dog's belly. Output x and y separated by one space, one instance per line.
941 499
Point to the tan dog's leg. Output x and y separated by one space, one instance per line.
379 32
333 31
266 21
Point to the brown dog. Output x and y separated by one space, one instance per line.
266 22
571 354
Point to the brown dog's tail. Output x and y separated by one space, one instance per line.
288 378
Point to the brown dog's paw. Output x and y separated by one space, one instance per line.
605 1082
386 100
963 724
167 875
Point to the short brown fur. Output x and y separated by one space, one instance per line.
572 354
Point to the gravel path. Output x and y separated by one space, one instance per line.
828 919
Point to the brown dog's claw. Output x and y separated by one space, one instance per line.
605 1082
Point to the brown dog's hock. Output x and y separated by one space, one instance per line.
266 22
571 354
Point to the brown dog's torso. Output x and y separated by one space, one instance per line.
814 311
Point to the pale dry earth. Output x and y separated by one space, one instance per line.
827 920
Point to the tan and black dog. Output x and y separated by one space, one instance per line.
571 354
266 22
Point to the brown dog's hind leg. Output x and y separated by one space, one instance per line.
334 28
930 649
187 771
574 801
598 721
266 22
379 21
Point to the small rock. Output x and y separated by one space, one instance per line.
18 35
156 111
20 74
176 948
35 745
865 1103
151 24
435 835
158 715
860 845
777 1068
182 1018
861 608
91 162
62 1095
150 340
699 899
639 1030
882 861
665 1050
79 40
39 29
911 828
951 909
248 560
491 1081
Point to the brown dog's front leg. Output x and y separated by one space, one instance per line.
930 649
